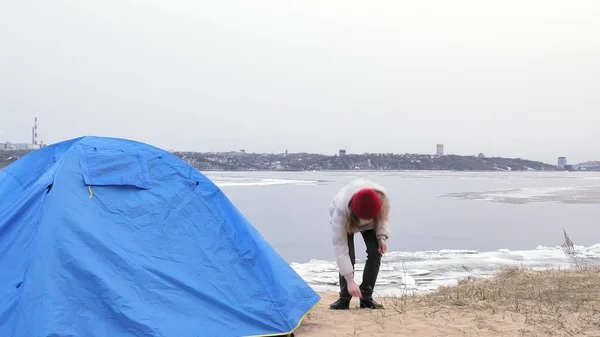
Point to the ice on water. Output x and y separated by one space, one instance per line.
418 272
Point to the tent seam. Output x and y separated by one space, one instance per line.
39 224
14 178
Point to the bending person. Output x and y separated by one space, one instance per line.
361 206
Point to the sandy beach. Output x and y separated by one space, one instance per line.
516 302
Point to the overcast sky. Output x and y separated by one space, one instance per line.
507 78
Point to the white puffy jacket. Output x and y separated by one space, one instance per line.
338 211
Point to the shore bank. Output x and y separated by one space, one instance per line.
516 302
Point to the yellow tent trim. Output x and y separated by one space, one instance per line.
297 326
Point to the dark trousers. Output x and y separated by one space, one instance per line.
371 266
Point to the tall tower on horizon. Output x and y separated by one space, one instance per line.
562 162
440 150
35 131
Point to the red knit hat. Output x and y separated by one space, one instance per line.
366 204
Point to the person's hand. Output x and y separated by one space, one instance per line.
353 289
382 246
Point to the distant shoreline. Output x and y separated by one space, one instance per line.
392 171
379 162
368 162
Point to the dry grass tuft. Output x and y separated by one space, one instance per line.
521 290
559 302
555 302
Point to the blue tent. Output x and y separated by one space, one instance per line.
111 237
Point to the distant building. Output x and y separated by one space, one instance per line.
440 150
342 152
481 155
34 145
8 146
562 162
243 151
588 166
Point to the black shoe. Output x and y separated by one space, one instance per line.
340 304
370 304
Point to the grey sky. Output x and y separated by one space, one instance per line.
509 78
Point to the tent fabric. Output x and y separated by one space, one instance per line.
112 237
